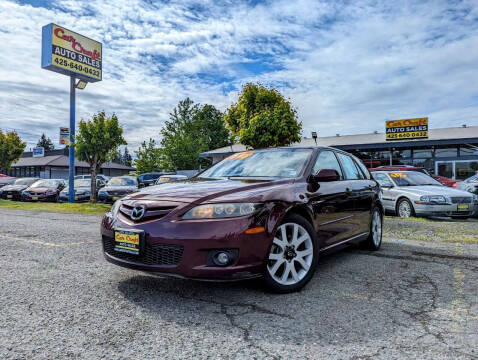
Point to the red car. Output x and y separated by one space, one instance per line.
44 190
444 180
258 213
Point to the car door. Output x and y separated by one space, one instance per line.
356 187
386 185
367 190
331 203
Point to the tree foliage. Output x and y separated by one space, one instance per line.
192 129
11 148
46 143
262 118
150 158
97 141
123 158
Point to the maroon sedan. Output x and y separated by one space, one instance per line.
44 190
258 213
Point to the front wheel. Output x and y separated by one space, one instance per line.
405 208
293 257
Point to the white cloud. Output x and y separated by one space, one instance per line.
347 67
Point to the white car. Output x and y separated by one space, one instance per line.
411 193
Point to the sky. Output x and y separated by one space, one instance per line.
346 66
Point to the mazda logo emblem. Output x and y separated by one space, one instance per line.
138 212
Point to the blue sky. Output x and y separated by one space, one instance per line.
345 65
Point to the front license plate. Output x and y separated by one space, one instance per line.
128 241
34 198
464 207
76 197
9 196
115 198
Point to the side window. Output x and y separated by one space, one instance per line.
363 168
327 160
382 179
350 169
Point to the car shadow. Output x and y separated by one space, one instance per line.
344 302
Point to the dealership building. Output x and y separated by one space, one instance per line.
450 152
54 165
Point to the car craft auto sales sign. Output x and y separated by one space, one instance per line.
406 129
69 53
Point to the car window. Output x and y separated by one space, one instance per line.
350 169
383 180
363 168
327 160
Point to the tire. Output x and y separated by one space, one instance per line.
291 263
374 240
402 205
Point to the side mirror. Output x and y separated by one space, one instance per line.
325 175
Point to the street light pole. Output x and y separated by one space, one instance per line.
71 169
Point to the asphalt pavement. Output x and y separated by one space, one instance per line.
61 300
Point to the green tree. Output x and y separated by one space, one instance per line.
192 129
262 118
150 158
97 142
46 143
11 149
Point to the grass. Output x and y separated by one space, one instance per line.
81 208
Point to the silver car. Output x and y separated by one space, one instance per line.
411 193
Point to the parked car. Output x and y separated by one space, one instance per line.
44 190
147 179
82 190
6 180
410 193
14 191
444 180
470 184
170 178
258 213
117 187
102 177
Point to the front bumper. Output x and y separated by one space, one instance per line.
181 248
78 198
109 198
445 210
11 195
40 197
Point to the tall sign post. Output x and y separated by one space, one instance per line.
79 57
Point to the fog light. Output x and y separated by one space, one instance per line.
222 258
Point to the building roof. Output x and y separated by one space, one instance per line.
63 161
377 139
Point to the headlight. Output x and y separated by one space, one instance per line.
220 211
103 193
115 208
434 200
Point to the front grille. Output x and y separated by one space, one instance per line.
151 213
461 200
153 254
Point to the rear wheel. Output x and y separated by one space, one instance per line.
293 257
374 239
405 208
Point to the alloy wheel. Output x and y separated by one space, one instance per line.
291 254
404 209
376 228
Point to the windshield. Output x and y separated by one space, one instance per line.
45 183
120 181
282 163
25 181
412 178
83 183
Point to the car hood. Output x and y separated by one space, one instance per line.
40 190
77 188
119 188
14 187
201 189
432 190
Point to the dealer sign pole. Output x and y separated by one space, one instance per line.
71 169
69 53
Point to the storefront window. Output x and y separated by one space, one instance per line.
446 152
445 169
402 153
465 169
402 162
428 164
422 153
468 151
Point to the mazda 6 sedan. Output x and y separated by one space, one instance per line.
265 213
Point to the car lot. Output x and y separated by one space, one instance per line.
61 299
